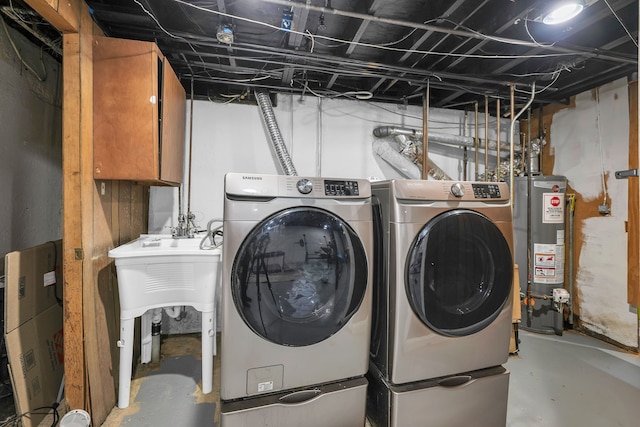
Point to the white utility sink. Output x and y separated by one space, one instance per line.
156 271
161 244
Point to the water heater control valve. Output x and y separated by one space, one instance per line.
304 186
457 190
561 296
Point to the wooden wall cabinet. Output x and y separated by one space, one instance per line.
139 114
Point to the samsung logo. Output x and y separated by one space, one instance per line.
253 178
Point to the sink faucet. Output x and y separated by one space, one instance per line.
186 228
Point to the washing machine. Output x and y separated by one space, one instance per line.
443 279
296 299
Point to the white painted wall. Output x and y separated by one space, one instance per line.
590 140
30 146
325 137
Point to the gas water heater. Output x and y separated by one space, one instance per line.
539 246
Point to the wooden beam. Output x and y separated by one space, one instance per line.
72 224
64 15
97 215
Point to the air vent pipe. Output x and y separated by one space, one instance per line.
441 138
404 165
264 102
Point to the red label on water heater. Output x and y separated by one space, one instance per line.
553 208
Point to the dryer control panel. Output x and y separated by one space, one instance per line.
486 191
341 188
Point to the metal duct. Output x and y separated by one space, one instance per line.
441 138
399 162
269 117
403 164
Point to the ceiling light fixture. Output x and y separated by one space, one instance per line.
225 33
563 11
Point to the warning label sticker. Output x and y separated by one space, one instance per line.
553 208
549 263
545 260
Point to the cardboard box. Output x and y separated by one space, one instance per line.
34 328
26 295
36 363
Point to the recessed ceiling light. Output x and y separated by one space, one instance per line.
563 11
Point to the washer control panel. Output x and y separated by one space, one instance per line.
263 186
341 188
486 191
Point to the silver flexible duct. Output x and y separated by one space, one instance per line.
441 138
269 117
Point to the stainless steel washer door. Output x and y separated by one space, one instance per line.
459 273
299 276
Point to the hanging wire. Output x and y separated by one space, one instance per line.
372 45
17 51
621 23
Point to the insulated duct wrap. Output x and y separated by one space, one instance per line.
390 154
399 162
269 117
440 138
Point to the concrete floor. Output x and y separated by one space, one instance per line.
572 380
569 380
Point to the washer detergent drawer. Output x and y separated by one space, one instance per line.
339 404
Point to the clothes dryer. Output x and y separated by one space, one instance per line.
443 279
296 300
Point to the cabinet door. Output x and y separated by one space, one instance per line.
172 135
130 79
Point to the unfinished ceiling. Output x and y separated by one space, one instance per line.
16 14
393 51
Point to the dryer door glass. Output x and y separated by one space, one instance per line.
459 273
299 276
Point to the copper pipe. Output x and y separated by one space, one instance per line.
486 138
465 159
190 149
425 134
498 140
476 140
511 154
